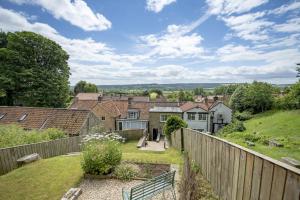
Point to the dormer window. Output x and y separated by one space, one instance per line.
133 114
22 117
2 115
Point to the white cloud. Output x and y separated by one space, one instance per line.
228 7
285 8
77 12
231 52
249 26
292 25
158 5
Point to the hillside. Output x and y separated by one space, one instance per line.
284 126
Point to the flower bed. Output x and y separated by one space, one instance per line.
144 171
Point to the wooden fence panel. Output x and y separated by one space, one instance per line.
9 156
236 172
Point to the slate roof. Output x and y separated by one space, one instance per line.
69 121
166 109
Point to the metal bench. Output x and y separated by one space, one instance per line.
151 187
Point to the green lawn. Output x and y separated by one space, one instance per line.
283 126
51 178
131 153
44 179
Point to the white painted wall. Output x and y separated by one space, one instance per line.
196 124
225 111
133 124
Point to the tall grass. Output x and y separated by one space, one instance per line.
12 135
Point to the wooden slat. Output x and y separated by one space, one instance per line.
241 180
235 176
292 187
256 178
230 172
278 183
248 176
266 180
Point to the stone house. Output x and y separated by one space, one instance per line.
72 122
157 118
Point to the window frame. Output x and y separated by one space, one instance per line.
191 116
202 116
135 115
23 117
163 115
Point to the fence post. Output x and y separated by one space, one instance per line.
182 139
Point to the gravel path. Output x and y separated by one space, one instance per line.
110 189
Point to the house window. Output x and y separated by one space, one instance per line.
163 118
103 118
191 116
2 115
22 117
202 116
132 115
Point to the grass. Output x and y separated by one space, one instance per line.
44 179
131 153
284 126
51 178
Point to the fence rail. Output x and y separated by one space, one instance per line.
236 172
9 156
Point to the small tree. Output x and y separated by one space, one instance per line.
173 123
84 87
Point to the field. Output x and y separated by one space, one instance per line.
283 126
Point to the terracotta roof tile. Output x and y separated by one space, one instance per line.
69 121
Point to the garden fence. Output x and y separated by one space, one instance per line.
236 172
9 156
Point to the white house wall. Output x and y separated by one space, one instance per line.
196 124
224 110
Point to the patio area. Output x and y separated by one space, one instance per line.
154 146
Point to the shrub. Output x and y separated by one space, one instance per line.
126 171
54 134
12 135
173 123
243 116
101 157
235 126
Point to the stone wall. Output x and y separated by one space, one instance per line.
132 134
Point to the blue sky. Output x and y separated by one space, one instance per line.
167 41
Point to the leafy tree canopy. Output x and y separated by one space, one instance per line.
225 89
34 70
173 123
85 87
199 91
256 97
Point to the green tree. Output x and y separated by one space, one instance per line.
34 70
199 91
84 87
225 89
256 97
173 123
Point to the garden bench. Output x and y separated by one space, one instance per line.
151 187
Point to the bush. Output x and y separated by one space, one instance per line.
235 126
101 157
173 123
243 116
54 134
126 172
12 135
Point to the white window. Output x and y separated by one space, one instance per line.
163 117
202 116
23 117
2 115
132 115
191 116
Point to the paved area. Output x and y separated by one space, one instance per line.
111 189
154 146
